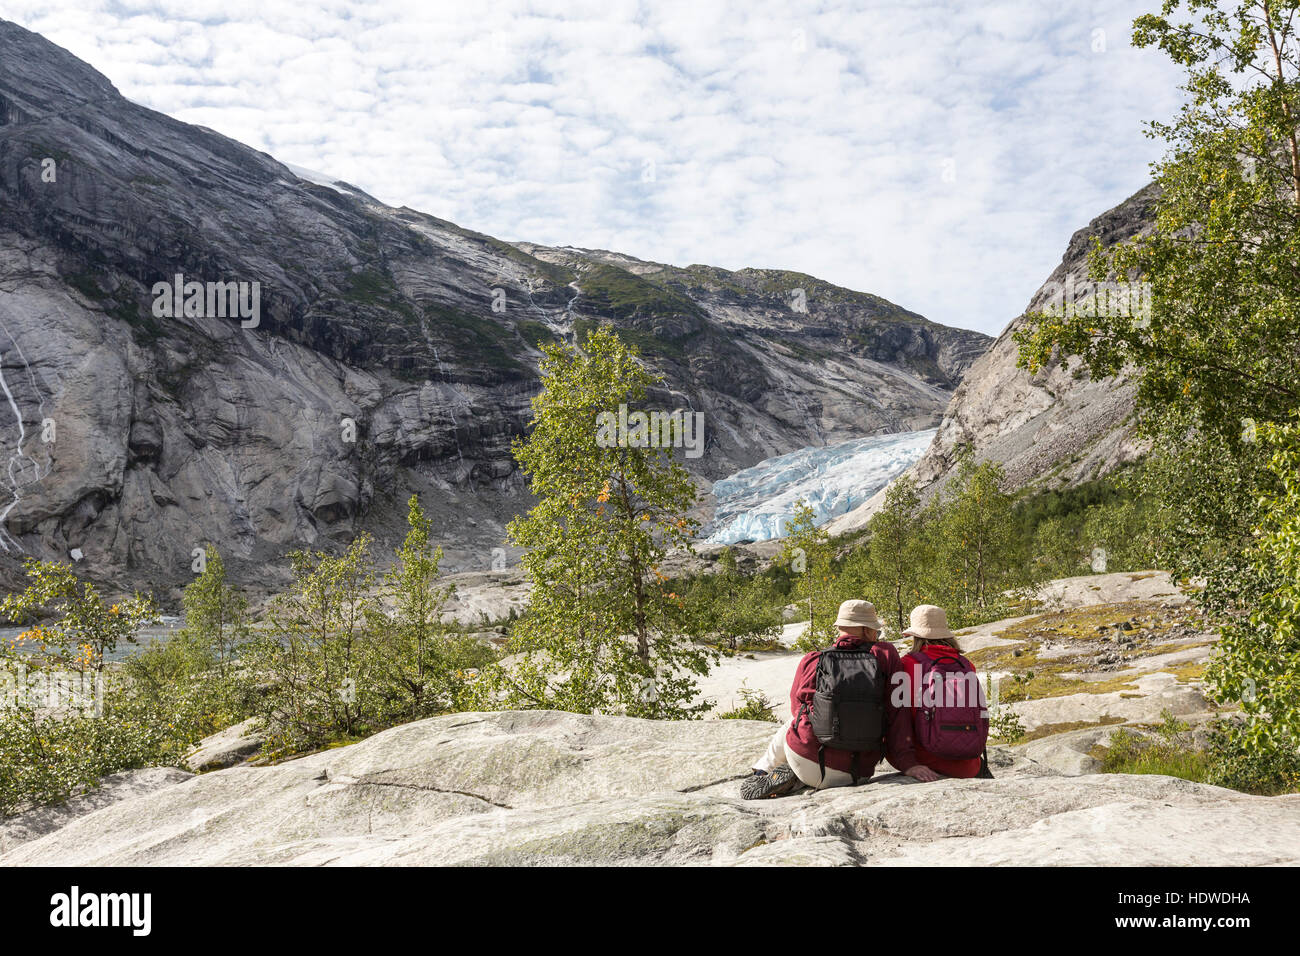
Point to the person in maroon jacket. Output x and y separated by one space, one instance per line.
932 637
791 761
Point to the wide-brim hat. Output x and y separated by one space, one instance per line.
858 614
930 623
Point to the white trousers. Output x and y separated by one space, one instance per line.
808 771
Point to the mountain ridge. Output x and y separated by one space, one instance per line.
171 434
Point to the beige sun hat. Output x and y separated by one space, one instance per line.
858 614
930 623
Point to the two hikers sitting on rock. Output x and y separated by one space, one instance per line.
855 702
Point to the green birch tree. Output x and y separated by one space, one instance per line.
598 634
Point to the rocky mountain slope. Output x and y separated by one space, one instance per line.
1052 429
377 366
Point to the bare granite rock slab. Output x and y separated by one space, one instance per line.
115 788
549 788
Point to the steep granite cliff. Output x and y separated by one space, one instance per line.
1054 428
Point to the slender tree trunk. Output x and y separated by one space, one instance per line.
1294 147
642 635
638 586
899 573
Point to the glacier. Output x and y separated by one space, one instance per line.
757 504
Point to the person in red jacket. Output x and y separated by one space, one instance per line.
791 761
930 636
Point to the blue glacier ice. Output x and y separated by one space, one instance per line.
756 504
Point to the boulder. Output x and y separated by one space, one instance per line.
226 748
1068 753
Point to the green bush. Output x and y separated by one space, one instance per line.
730 610
754 706
47 756
51 750
1239 763
339 658
192 682
1171 752
1258 664
173 684
1004 723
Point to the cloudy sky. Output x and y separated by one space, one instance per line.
937 153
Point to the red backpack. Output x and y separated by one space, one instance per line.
949 715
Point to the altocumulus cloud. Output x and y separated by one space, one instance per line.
938 154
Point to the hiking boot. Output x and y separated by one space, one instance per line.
781 782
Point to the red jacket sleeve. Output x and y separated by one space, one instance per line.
804 687
900 747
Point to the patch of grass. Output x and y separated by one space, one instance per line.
1035 686
621 294
1169 753
696 278
780 282
41 151
1191 671
477 342
121 305
372 288
1004 657
644 342
84 282
1032 678
144 326
377 289
536 334
1051 730
556 273
1082 623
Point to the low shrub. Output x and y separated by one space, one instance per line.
755 705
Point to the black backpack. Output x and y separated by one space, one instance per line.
848 707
